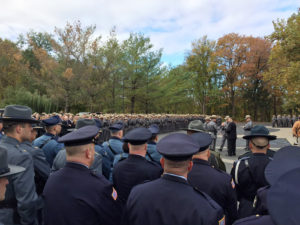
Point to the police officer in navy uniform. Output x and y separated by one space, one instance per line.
48 141
214 182
136 169
61 158
75 194
282 196
248 172
170 199
152 153
113 146
20 204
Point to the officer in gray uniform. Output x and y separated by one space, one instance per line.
212 128
274 121
247 130
279 121
41 166
20 204
223 128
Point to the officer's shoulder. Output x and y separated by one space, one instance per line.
211 202
223 173
153 164
250 219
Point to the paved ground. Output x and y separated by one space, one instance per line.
284 138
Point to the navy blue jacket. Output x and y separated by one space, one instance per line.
248 174
170 200
132 171
75 195
217 184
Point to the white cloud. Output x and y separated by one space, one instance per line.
171 24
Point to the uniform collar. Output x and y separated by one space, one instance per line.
11 140
174 177
76 165
116 138
201 161
132 156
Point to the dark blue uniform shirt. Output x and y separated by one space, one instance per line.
217 184
75 195
132 171
170 200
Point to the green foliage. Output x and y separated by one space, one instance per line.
21 96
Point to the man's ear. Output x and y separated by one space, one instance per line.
19 128
88 153
190 165
162 162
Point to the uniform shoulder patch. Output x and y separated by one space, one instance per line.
114 194
222 221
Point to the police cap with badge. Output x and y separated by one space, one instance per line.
81 136
177 147
138 136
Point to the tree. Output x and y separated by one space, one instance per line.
202 62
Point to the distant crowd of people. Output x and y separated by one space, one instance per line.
131 177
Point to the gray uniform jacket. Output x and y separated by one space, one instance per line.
20 194
212 128
60 161
248 127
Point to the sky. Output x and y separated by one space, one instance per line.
171 24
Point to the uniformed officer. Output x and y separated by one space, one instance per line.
19 206
248 172
135 169
214 182
48 142
76 195
285 160
152 153
215 158
282 200
223 132
212 128
60 159
170 199
113 146
247 130
40 164
274 121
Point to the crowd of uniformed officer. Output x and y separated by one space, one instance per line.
129 177
284 120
